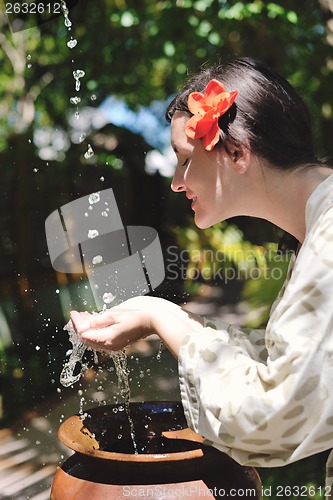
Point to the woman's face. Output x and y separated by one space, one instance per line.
207 178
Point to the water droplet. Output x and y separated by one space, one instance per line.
72 43
65 12
108 298
120 436
78 73
29 57
92 233
37 347
93 97
82 137
97 259
89 153
29 65
77 115
94 198
75 100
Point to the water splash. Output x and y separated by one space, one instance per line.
78 74
97 259
94 198
92 233
108 298
89 153
160 350
65 12
75 100
72 43
67 376
120 362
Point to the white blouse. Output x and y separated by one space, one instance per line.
266 397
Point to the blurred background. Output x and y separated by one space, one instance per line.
65 135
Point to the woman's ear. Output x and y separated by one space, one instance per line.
240 154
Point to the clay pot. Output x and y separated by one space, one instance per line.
170 460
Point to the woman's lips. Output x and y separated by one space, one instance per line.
193 198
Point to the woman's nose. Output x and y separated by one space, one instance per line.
177 184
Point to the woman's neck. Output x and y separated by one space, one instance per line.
287 194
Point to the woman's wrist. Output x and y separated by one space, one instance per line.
172 324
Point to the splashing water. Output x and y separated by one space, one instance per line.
75 100
160 350
92 233
108 298
94 198
65 11
67 376
120 362
78 73
72 43
89 153
97 259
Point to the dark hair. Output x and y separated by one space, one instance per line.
268 113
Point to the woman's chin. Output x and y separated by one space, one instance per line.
201 222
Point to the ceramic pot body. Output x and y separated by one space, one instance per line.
105 465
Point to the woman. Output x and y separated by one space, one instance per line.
243 141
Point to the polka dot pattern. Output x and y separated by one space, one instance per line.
265 397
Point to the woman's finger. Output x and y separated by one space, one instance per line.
85 321
80 321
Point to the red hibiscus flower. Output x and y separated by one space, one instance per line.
207 109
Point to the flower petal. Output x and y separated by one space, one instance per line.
223 103
207 108
212 137
198 126
195 102
213 89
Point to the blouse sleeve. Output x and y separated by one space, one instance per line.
274 405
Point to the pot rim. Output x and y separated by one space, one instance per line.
74 434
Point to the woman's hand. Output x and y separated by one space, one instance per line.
134 319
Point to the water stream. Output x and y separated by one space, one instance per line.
75 366
75 362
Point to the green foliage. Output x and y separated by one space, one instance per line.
220 253
219 247
261 291
140 51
